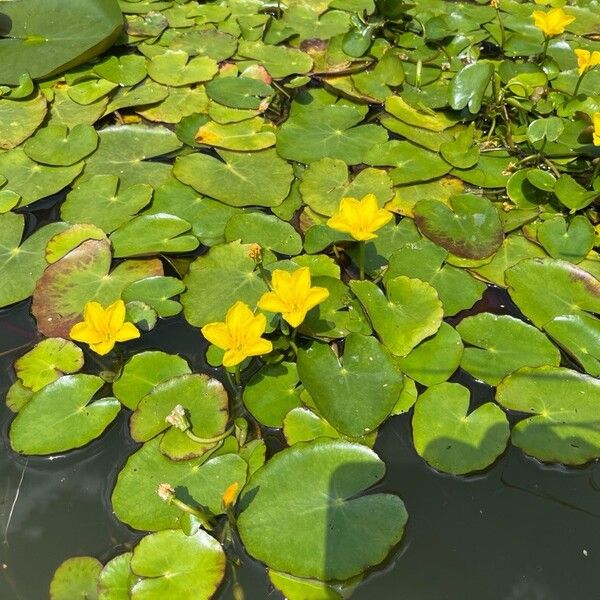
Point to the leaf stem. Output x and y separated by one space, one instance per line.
361 260
210 440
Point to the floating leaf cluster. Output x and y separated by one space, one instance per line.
327 190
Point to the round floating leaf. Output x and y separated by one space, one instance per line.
567 241
566 413
103 202
424 260
175 565
297 588
266 230
158 233
469 228
19 118
548 129
146 93
47 361
61 417
435 359
156 293
76 579
90 90
125 70
328 132
239 178
116 579
143 372
579 335
22 264
345 533
124 151
56 145
356 392
217 280
450 438
239 92
80 276
279 61
502 344
325 182
65 241
175 68
67 111
248 135
272 393
410 313
45 40
204 400
218 45
544 288
572 194
31 180
197 482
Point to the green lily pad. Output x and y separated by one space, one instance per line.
175 68
124 151
65 241
180 102
19 119
299 588
22 264
204 400
143 372
500 344
266 230
42 46
579 335
47 361
217 280
272 393
345 534
544 288
101 201
469 228
90 90
76 579
156 292
330 131
567 241
565 409
198 482
31 180
325 182
70 113
279 61
124 70
175 565
248 135
217 45
572 194
80 276
354 392
238 178
435 359
153 234
146 93
56 145
450 438
60 417
239 92
303 425
469 86
424 260
116 579
410 312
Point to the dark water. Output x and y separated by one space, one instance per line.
520 531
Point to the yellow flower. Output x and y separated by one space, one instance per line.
230 494
101 328
552 22
292 295
597 129
360 218
239 335
587 60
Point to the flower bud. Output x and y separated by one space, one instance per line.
165 492
177 418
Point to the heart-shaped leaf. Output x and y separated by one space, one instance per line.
567 241
20 118
76 579
56 145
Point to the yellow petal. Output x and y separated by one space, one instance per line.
596 120
94 315
237 317
127 331
103 347
271 302
217 334
315 296
280 279
82 332
363 236
381 218
115 315
231 358
295 317
256 326
338 223
258 347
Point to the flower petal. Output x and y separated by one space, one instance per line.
295 317
231 358
315 296
271 302
218 334
103 347
127 331
258 347
115 315
94 315
256 327
82 332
